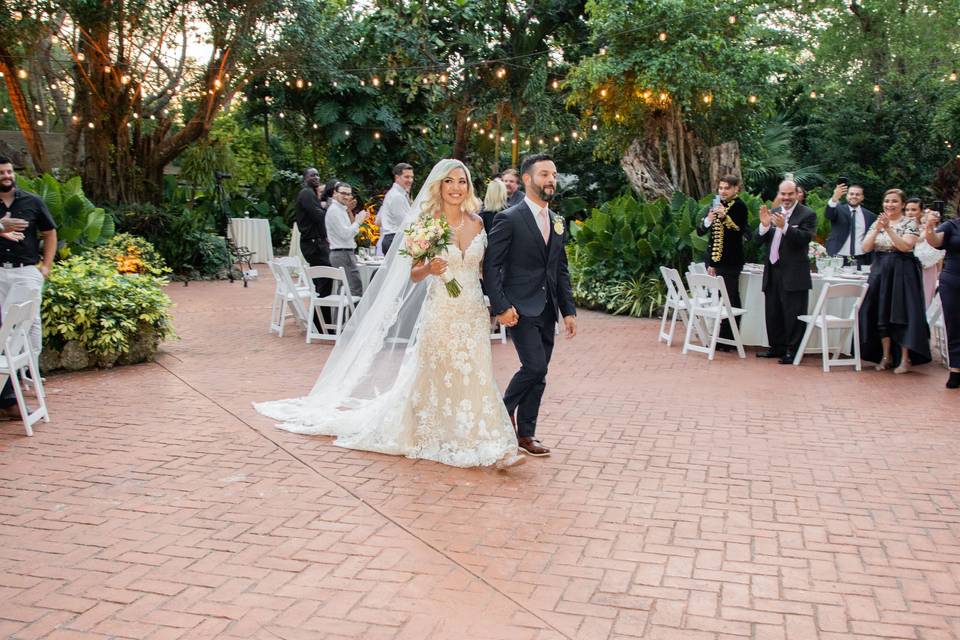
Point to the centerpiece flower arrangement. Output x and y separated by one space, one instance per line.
816 250
425 239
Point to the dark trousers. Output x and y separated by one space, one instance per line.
386 241
950 299
533 339
781 308
317 254
731 279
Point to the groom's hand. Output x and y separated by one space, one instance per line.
509 318
570 323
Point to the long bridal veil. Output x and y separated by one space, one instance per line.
373 359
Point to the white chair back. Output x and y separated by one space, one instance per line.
822 319
698 268
709 301
16 354
340 301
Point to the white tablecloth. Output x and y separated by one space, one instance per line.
368 268
254 234
753 329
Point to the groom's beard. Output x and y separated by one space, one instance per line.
544 193
6 186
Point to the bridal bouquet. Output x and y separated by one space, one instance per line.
426 239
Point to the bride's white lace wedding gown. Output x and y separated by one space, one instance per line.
445 405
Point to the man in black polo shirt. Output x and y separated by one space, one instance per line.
21 269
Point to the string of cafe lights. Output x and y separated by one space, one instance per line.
438 73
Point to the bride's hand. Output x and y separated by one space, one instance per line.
437 266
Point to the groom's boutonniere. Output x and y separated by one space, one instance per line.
558 225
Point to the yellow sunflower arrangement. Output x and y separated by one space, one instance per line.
369 233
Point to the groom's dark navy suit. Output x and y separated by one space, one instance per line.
521 271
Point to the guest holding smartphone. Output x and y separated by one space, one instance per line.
946 236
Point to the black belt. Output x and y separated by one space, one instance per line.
342 249
313 239
17 265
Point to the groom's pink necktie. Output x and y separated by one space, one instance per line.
544 224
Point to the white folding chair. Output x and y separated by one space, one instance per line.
341 301
501 332
289 295
16 354
698 268
823 320
938 330
715 307
676 305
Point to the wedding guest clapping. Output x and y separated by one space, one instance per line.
929 257
893 312
946 235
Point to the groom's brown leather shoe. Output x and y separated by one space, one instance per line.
532 447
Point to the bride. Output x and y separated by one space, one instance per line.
412 372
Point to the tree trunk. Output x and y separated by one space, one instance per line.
641 162
21 111
724 160
461 135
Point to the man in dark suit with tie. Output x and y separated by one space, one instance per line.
849 223
528 283
787 231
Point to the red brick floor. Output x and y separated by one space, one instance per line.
685 499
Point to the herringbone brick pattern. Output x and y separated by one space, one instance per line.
685 499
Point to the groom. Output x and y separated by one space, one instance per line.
528 283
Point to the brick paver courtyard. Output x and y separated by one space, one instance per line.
685 499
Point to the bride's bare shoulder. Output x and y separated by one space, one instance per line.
475 220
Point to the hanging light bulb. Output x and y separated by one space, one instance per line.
347 133
282 115
813 94
490 135
107 68
555 84
81 57
376 135
541 141
603 93
443 78
91 125
299 83
732 19
314 125
423 131
876 88
574 135
375 81
752 99
663 36
953 76
482 131
39 123
22 74
503 139
501 73
603 51
707 98
556 138
594 126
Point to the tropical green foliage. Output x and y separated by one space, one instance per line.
93 315
80 224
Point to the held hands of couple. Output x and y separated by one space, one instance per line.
509 318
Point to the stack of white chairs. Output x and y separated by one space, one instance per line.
710 305
17 355
677 305
938 330
341 303
824 321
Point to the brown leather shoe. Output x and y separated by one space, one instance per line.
532 447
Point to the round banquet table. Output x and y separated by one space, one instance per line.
254 234
753 329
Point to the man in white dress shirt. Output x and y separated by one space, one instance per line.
848 224
342 235
396 205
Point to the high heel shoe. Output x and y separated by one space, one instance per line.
953 382
903 368
883 365
514 460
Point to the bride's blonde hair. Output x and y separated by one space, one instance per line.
434 203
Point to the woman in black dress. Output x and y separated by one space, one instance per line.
724 225
946 236
893 312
